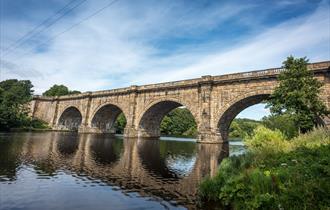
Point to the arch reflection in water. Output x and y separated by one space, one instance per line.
151 168
105 149
168 159
67 143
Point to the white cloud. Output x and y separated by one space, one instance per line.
308 36
117 47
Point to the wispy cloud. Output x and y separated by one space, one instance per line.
164 41
305 36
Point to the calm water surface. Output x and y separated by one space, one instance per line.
54 170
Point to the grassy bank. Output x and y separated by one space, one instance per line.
275 173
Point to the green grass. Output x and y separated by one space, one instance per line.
275 173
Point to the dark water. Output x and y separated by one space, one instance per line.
87 171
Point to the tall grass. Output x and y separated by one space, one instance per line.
275 173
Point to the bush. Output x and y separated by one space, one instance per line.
241 127
264 139
295 176
38 124
284 123
317 137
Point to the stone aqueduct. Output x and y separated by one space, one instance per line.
214 101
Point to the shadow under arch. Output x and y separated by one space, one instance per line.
104 118
150 120
235 108
70 119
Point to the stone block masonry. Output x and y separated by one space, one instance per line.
214 101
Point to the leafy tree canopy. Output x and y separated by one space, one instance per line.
59 90
179 122
298 95
283 122
14 94
241 127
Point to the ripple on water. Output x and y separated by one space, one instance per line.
56 171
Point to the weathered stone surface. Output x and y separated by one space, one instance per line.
214 101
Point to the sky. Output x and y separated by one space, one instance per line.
97 45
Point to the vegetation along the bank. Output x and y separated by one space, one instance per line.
286 165
14 98
275 173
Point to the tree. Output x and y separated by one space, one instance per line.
59 90
241 127
179 122
120 123
14 95
283 122
298 95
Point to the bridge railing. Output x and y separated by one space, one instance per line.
273 72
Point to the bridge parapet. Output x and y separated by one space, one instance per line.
267 73
272 72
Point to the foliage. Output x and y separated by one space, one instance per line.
295 176
320 136
283 122
59 90
120 123
179 122
37 124
265 139
14 95
298 95
240 128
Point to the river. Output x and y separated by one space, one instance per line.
59 170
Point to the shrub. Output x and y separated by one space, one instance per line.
315 138
38 124
266 140
295 175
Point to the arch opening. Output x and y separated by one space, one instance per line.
153 123
109 119
230 114
70 119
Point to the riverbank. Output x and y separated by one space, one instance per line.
275 173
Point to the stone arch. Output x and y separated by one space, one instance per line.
70 119
234 107
104 118
148 123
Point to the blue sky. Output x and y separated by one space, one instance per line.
141 42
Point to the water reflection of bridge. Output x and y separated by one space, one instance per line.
133 165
